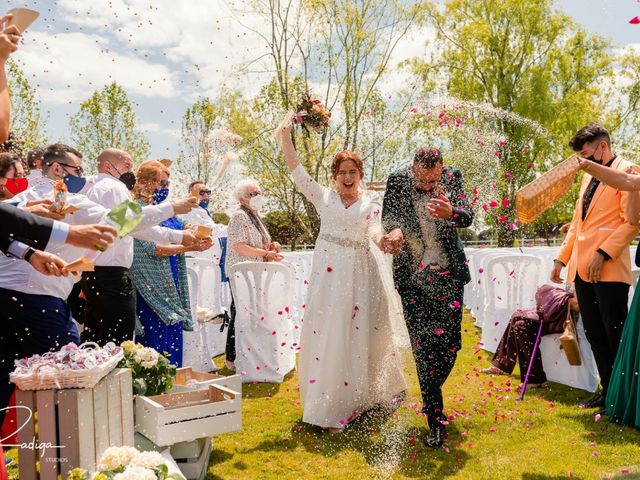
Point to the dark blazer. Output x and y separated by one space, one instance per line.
398 210
23 226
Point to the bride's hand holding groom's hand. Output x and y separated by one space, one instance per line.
392 242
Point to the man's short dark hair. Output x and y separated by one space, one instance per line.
33 155
194 183
428 157
593 131
57 153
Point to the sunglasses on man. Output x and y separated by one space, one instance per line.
205 192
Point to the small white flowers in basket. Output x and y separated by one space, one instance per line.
72 366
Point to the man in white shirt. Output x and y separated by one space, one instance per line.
202 216
109 291
34 160
34 313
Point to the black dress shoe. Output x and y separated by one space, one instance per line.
595 402
436 437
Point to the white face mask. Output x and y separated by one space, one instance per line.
256 202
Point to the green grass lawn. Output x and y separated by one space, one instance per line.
491 436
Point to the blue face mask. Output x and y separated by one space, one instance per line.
204 203
160 195
74 183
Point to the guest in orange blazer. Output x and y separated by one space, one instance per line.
596 249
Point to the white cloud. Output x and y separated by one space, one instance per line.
152 127
203 40
67 67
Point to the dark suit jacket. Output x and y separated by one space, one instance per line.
23 226
398 210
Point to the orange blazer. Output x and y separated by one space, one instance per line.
606 227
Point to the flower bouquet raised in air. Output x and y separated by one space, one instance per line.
127 463
311 115
152 372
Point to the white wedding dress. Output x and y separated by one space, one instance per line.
348 359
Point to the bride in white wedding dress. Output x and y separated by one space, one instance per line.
348 360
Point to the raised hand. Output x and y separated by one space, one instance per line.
9 38
440 207
184 205
94 237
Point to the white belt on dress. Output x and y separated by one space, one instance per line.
344 242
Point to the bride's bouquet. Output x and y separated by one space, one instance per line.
311 115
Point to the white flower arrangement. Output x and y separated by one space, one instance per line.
115 457
127 463
152 372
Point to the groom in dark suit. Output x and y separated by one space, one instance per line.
423 205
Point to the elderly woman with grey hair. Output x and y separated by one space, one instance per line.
247 240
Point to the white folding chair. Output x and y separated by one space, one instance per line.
557 368
263 296
511 284
195 349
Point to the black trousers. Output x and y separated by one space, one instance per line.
603 306
433 313
111 305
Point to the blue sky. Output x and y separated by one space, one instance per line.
167 53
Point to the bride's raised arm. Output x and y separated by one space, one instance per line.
283 137
315 193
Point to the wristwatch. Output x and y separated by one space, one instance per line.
27 255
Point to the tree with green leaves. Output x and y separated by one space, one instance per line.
199 122
522 57
105 120
345 49
27 119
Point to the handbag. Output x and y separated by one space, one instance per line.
569 340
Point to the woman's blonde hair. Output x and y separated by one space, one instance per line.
147 172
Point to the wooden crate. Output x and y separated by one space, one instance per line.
203 380
197 468
181 417
179 451
81 423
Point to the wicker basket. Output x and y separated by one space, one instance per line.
61 379
536 197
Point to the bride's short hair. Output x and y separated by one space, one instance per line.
343 156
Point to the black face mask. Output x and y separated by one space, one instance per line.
129 180
592 157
